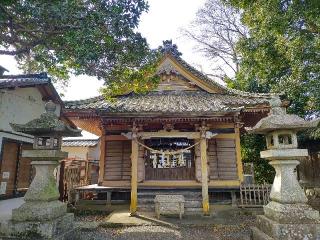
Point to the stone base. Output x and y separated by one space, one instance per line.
268 229
291 213
39 211
56 229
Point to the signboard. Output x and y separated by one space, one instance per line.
3 188
5 175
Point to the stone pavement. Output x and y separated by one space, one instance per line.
6 207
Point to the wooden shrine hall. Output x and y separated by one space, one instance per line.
184 134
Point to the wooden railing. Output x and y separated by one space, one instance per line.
254 195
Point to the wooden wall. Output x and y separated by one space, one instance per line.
222 159
9 165
19 168
24 170
309 168
118 163
222 163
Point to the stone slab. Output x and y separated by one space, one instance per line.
169 199
58 228
44 154
287 231
169 204
284 154
39 211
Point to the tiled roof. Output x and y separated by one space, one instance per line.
11 81
169 102
80 142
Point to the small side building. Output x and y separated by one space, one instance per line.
22 98
87 150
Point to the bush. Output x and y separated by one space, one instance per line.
251 145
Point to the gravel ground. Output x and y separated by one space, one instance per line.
165 233
225 226
214 231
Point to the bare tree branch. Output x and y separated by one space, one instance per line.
215 31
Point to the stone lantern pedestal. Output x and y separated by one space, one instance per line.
287 216
42 216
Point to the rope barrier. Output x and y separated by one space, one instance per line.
167 152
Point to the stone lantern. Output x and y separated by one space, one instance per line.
287 216
42 214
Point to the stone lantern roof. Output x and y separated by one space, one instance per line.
47 124
278 119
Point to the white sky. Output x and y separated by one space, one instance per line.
163 22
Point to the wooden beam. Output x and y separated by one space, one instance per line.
177 134
224 183
116 138
102 158
117 184
238 153
226 135
134 174
172 134
174 184
170 183
212 126
204 172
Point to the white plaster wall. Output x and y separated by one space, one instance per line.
20 106
24 138
76 152
94 152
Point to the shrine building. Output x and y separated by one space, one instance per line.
182 136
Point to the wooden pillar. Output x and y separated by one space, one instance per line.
102 157
204 171
61 181
134 172
238 152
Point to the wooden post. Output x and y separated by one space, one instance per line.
134 172
238 152
102 157
61 181
204 172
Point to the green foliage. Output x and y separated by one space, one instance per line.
282 52
251 145
91 37
124 79
142 79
